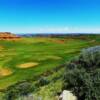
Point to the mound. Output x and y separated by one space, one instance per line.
5 72
54 57
28 65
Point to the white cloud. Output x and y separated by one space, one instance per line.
51 30
38 30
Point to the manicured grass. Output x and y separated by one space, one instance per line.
41 50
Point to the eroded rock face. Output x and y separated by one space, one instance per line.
67 95
8 36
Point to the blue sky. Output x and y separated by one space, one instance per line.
50 15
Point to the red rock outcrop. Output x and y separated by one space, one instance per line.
8 36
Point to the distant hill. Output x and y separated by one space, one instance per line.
70 35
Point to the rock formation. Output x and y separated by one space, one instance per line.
8 36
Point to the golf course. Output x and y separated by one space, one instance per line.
29 58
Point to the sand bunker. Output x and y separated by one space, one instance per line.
5 72
28 65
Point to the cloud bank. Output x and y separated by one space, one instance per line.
51 30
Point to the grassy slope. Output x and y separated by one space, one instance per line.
50 91
37 50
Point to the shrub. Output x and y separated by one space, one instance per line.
83 73
42 81
19 89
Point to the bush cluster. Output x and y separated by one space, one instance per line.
82 75
18 89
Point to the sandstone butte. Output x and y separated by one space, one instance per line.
8 36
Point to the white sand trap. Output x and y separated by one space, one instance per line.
5 72
28 65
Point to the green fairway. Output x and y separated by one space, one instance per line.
46 53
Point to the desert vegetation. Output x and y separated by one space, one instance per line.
82 75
